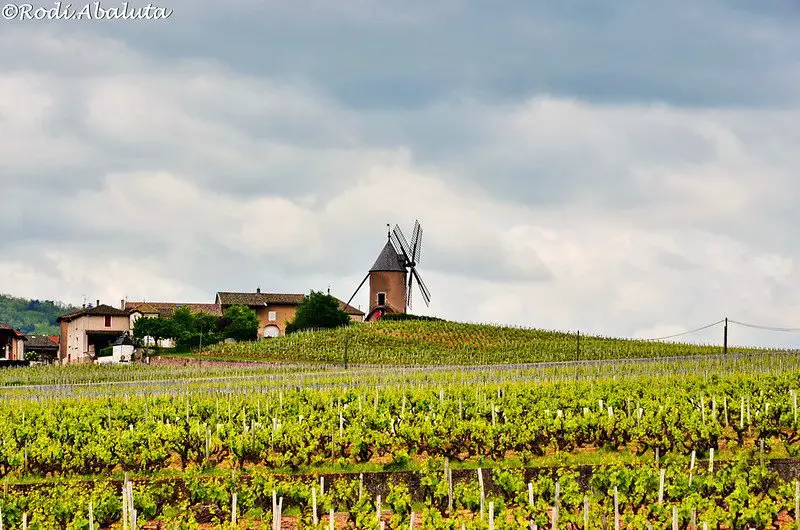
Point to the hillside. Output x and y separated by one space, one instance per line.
441 343
32 316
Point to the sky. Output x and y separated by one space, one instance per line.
620 168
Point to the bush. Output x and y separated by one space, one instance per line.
106 352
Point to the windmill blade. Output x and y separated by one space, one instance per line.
426 294
358 288
409 291
415 238
417 250
397 245
403 242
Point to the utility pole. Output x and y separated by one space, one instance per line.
725 337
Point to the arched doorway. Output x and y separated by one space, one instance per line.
272 331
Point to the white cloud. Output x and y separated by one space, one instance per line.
178 179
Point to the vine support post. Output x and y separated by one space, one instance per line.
234 509
616 508
556 506
585 512
483 492
797 500
725 338
314 519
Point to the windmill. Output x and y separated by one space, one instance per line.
394 273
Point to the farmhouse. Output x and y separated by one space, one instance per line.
274 310
41 348
84 333
12 343
164 310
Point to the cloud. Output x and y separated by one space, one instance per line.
568 173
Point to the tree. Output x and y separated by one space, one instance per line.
318 310
192 330
240 323
156 328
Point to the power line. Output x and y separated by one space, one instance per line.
686 332
768 328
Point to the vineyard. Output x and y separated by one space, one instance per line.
677 442
449 343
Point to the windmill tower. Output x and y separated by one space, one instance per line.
391 277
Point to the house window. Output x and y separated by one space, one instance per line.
381 298
108 321
272 316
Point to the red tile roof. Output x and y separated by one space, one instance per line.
261 299
16 332
101 310
167 309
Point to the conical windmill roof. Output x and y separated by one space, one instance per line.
388 260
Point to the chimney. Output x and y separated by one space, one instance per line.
98 303
258 290
122 304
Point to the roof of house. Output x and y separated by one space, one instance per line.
101 310
261 299
388 260
123 340
16 332
40 342
167 309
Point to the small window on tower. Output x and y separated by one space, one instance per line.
381 298
272 316
108 321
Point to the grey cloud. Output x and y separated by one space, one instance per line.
710 54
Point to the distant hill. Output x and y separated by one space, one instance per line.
32 317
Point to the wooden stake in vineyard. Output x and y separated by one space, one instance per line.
483 492
585 512
234 509
556 505
314 519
